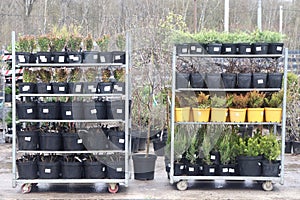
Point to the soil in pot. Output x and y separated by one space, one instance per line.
51 141
27 169
197 80
94 170
271 168
28 140
71 170
249 165
144 166
26 110
259 80
72 142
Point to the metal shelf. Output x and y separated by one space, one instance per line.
70 95
69 64
71 152
228 89
74 120
230 123
232 55
233 178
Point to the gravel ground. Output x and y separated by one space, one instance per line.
159 188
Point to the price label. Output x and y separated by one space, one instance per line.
121 141
45 110
93 111
47 171
79 141
61 89
119 169
68 113
29 110
119 111
28 139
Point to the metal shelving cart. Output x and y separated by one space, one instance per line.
181 181
113 184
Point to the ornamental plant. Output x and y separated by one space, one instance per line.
271 147
44 42
255 99
275 100
237 101
74 42
218 101
103 42
88 42
26 43
248 146
203 100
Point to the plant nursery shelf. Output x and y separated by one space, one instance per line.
233 178
84 121
73 181
69 64
229 89
72 152
232 56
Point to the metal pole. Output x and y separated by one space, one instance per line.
195 16
226 16
259 15
280 18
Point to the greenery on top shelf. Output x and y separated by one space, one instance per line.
103 42
44 42
88 42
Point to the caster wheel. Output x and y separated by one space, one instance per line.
113 188
26 188
182 185
267 186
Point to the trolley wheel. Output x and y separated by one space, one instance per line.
267 185
182 185
26 188
113 188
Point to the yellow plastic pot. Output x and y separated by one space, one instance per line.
255 114
201 114
237 114
218 114
182 114
273 114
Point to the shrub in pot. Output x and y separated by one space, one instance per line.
201 113
237 107
27 167
273 109
71 167
219 110
49 167
255 110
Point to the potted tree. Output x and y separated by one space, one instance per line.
271 149
202 112
74 48
237 104
192 167
273 109
255 111
44 43
103 42
26 46
43 85
89 56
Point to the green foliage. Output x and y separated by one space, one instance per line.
248 146
120 42
90 74
74 42
192 151
255 99
61 75
26 43
44 42
218 101
119 74
181 139
203 100
103 42
275 100
271 147
237 101
226 145
29 76
266 36
75 74
8 90
88 42
44 75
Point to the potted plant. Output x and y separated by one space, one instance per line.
8 93
271 149
27 167
183 103
249 155
29 82
74 48
119 84
71 167
50 138
59 81
93 167
26 46
49 166
259 44
192 167
219 110
243 43
275 40
44 43
43 85
255 111
89 56
228 41
273 109
74 84
212 39
237 104
104 55
201 113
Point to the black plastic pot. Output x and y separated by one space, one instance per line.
197 48
197 80
74 57
44 88
104 87
90 57
214 48
50 141
94 139
215 157
60 87
259 80
288 147
28 140
27 169
49 170
72 142
209 170
229 80
60 57
117 140
271 168
182 48
229 48
75 87
118 57
118 88
48 110
179 169
260 48
71 110
275 48
106 57
213 80
94 170
142 140
227 170
90 87
26 110
159 147
44 57
71 170
116 109
296 147
135 144
274 80
22 57
249 165
244 80
193 169
182 80
8 97
244 48
95 110
27 88
116 169
144 166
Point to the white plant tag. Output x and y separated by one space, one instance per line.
211 170
48 87
279 48
199 50
103 169
248 50
260 81
121 141
95 57
119 169
228 49
77 88
193 48
61 89
93 111
119 111
61 59
184 50
231 170
102 59
68 113
26 88
117 57
191 169
212 157
21 58
79 141
45 110
107 88
29 110
181 167
43 59
47 171
216 49
28 139
225 170
258 48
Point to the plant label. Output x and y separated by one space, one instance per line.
29 111
107 88
61 89
77 88
48 88
279 48
21 58
191 169
121 141
102 59
119 111
258 48
79 141
248 50
211 170
26 88
27 139
225 170
95 57
260 81
45 110
93 111
68 113
119 169
43 59
47 171
61 59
